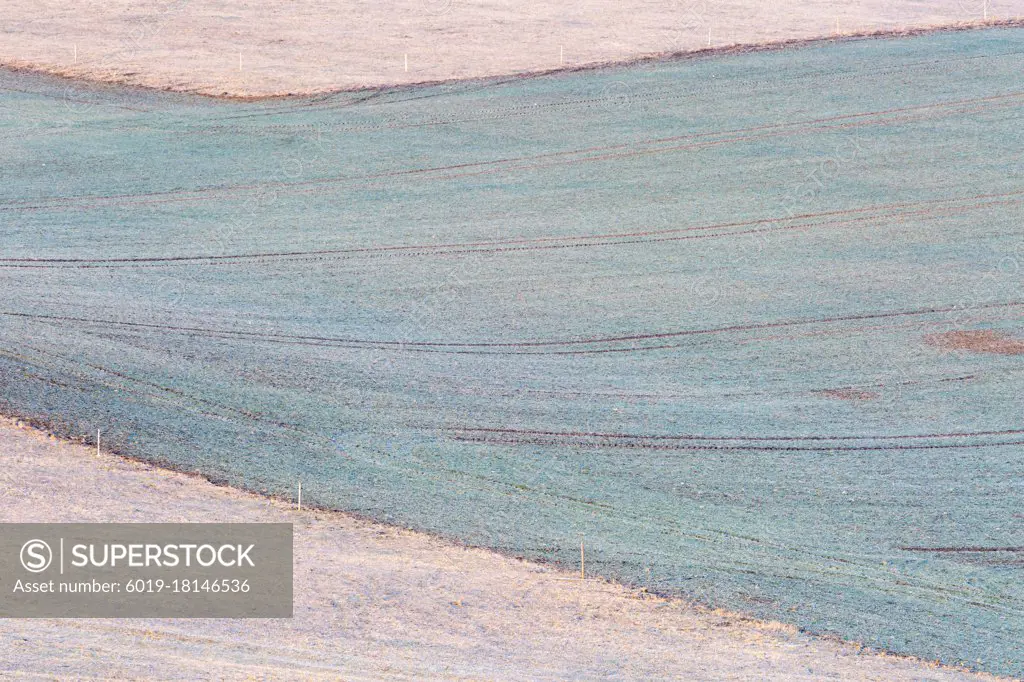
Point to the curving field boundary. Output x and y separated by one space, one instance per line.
749 325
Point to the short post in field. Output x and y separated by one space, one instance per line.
97 442
583 570
300 496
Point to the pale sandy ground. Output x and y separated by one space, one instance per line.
378 603
246 47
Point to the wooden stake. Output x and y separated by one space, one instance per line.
300 495
583 570
97 442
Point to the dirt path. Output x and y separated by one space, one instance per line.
242 48
374 602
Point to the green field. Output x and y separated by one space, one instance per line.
749 325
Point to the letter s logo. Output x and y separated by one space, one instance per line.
36 556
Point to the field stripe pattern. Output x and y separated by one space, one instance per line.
749 326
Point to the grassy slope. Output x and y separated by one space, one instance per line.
756 248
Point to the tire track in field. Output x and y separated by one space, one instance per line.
926 209
150 389
202 406
493 347
732 438
635 398
706 446
970 549
703 89
530 162
704 145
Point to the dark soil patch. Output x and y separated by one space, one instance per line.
982 341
